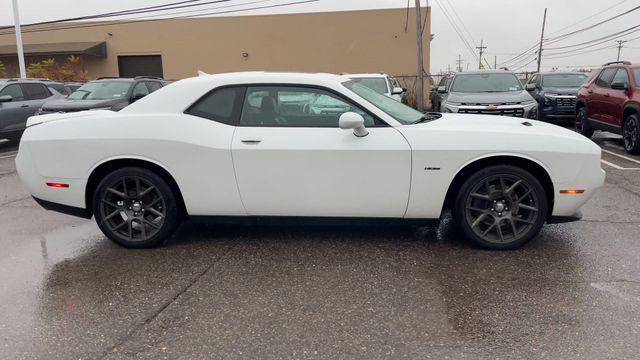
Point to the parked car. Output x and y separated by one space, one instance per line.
439 93
105 94
19 99
222 145
556 93
610 101
73 86
490 92
382 84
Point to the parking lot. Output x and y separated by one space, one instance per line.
309 291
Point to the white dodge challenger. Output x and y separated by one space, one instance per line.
261 144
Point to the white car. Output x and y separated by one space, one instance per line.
250 145
381 83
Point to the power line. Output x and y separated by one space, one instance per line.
570 54
619 33
155 18
588 17
564 36
458 32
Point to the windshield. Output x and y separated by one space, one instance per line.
103 90
397 110
564 80
377 84
479 83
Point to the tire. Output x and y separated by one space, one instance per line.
582 123
135 208
501 207
631 134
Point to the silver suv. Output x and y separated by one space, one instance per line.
19 99
491 92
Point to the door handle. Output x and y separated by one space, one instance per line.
590 91
251 141
24 106
607 94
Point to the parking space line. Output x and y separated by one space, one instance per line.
617 166
8 156
622 156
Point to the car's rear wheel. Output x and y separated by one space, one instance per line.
631 134
582 123
501 207
135 208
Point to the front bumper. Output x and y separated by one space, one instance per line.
561 106
529 111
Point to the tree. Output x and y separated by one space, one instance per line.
3 70
49 69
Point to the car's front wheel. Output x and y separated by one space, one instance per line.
631 134
501 207
135 208
582 123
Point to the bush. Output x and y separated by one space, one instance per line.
49 69
3 70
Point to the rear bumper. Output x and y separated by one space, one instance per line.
65 209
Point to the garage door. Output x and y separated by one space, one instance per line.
140 65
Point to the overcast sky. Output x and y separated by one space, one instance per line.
508 27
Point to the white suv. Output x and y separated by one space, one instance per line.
381 83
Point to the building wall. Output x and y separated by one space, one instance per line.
353 41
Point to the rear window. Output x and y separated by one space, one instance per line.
221 105
377 84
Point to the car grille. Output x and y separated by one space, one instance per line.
502 112
566 102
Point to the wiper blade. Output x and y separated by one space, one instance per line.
428 117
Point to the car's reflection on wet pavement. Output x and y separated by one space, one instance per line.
302 290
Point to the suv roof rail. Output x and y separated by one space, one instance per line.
148 77
618 62
107 77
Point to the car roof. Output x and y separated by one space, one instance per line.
380 75
476 72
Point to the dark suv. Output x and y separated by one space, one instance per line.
555 93
19 99
610 101
104 93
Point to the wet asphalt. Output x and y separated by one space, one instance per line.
321 291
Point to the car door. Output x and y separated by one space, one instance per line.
36 94
13 113
596 103
614 100
292 159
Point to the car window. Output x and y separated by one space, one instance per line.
563 80
604 79
533 79
101 90
621 77
153 86
395 83
397 110
140 90
491 82
35 91
14 91
221 105
377 84
287 106
443 82
60 88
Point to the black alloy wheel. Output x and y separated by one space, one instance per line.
501 207
135 208
631 134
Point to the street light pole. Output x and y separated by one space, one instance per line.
544 22
16 21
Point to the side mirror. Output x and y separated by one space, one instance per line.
137 97
397 91
619 86
351 120
442 89
6 98
530 87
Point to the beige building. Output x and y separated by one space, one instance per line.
350 41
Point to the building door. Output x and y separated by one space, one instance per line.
140 65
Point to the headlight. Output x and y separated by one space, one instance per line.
450 107
533 113
547 101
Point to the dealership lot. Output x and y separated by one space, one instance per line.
304 290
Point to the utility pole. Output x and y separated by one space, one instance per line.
448 68
481 48
420 55
620 42
544 21
459 62
495 61
16 21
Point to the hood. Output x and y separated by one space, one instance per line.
560 91
78 105
487 98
